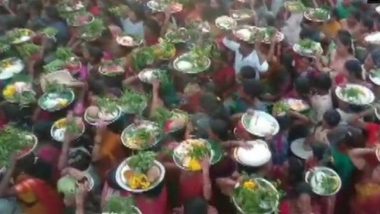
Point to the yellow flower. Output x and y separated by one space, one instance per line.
139 181
63 103
61 123
250 185
9 91
195 165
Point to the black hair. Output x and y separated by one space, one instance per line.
36 167
138 10
367 22
295 170
220 128
302 85
284 122
319 150
153 26
332 117
210 102
354 68
52 13
95 53
356 15
111 179
346 135
335 14
309 33
195 206
248 72
345 38
79 159
303 188
35 5
253 88
323 82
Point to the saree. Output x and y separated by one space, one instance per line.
38 197
367 198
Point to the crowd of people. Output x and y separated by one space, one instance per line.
189 106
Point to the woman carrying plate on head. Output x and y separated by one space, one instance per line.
353 73
348 158
344 51
31 186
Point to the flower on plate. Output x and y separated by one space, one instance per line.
195 165
251 185
9 92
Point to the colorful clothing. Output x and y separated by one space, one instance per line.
367 198
191 186
112 152
38 197
373 130
344 167
280 148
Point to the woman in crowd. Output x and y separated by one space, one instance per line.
186 107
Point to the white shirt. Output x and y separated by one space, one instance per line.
321 104
292 28
251 60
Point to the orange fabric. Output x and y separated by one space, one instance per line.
112 152
330 29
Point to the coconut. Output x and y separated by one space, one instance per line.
92 111
153 174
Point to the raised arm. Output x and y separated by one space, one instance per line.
230 44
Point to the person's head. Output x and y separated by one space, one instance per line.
308 32
152 28
323 82
354 19
302 86
246 47
210 102
201 5
219 129
251 89
372 60
79 158
92 54
366 24
52 13
320 150
247 73
295 170
195 206
345 137
136 12
35 167
35 7
331 118
353 69
303 197
334 15
344 43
